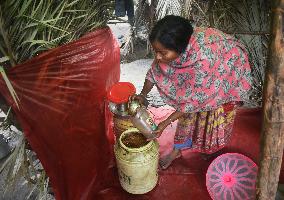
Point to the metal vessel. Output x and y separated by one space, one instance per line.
141 119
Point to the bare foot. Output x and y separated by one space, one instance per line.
166 160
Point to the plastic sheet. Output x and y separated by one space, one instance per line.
62 111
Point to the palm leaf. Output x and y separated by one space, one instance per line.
4 59
26 24
10 87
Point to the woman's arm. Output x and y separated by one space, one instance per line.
148 85
162 125
173 117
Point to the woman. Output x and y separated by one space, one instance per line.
204 74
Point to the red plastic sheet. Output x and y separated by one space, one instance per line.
62 112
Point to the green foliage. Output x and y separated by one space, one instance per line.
29 27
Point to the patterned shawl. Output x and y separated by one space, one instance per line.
213 70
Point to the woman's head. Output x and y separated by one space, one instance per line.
170 36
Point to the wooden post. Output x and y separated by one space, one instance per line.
272 138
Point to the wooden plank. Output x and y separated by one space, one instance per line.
272 138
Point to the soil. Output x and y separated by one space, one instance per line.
134 140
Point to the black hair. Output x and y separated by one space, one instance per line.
173 32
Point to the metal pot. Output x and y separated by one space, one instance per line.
119 109
144 123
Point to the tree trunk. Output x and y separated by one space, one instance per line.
272 138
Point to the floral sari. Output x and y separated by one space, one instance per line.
213 71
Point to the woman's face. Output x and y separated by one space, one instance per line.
162 54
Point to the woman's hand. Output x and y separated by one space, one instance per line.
174 116
141 99
161 127
142 96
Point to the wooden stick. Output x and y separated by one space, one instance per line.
272 136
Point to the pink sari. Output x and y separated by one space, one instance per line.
213 71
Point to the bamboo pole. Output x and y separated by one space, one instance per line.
272 137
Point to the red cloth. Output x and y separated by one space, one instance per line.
62 94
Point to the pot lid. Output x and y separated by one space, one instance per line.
120 92
232 176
